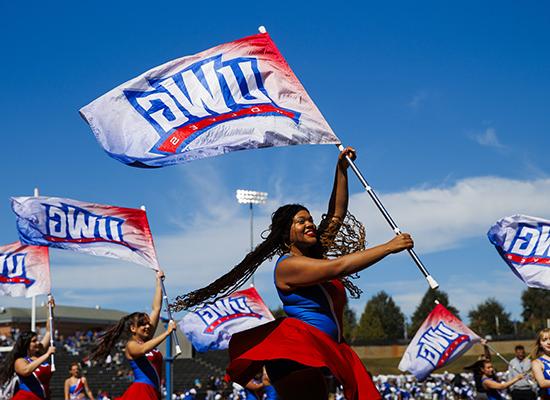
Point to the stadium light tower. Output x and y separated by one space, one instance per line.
251 197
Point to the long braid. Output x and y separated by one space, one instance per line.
337 239
274 243
110 338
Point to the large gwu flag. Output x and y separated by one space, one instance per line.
211 326
235 96
96 229
524 243
24 270
441 339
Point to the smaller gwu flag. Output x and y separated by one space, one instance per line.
235 96
211 326
441 339
96 229
24 270
524 243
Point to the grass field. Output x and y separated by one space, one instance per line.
387 366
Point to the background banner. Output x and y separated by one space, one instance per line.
441 339
95 229
24 270
523 242
211 326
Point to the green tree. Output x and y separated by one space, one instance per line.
426 306
484 319
382 319
350 324
536 309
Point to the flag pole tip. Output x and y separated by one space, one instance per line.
340 147
432 282
36 192
262 29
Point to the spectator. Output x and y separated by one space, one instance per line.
522 389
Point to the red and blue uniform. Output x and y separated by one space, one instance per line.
147 374
311 336
76 390
546 374
36 385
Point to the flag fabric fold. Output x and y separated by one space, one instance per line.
235 96
211 326
96 229
524 244
441 339
24 270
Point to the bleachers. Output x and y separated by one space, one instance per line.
185 371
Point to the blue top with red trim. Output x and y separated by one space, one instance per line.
148 368
76 389
320 305
545 372
38 383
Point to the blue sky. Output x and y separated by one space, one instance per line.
446 104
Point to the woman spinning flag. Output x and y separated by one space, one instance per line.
311 276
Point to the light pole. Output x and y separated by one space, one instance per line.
251 197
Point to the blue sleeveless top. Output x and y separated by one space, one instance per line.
492 394
148 368
546 372
270 393
320 305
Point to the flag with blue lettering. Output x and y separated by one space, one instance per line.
441 339
24 270
95 229
235 96
524 243
211 326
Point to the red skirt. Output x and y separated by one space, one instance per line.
25 395
141 391
291 339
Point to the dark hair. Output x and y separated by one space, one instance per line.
20 350
519 347
277 242
477 369
120 331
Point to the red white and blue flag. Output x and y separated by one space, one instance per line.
211 326
441 339
24 270
95 229
524 243
235 96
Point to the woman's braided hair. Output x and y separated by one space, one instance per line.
336 238
121 331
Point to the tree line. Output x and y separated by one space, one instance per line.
382 320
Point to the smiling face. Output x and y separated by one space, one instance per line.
488 369
34 347
142 328
544 342
303 232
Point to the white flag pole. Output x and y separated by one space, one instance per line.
50 316
33 302
431 281
174 334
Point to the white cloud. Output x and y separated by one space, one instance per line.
440 218
489 138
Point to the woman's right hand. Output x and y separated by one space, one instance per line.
50 350
401 242
171 326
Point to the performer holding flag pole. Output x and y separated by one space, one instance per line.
174 335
